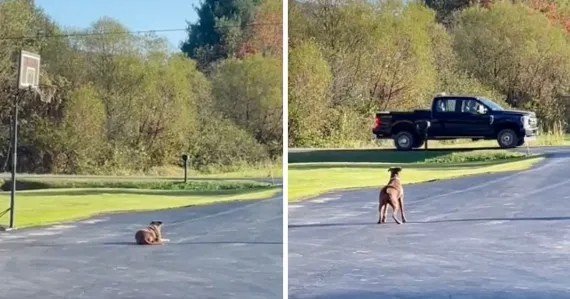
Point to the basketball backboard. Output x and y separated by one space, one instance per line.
29 70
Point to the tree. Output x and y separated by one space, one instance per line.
309 95
379 54
219 30
528 63
265 34
445 8
557 11
249 92
81 146
450 77
231 146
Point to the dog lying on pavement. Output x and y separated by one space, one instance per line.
392 195
151 235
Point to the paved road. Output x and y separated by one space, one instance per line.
222 251
498 236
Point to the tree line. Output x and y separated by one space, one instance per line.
350 59
125 102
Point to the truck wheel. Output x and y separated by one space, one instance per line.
404 141
507 138
521 142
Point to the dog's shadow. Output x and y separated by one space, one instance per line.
121 243
294 226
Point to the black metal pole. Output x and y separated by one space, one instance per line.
14 159
185 160
185 171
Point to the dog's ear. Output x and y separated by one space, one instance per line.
157 223
390 169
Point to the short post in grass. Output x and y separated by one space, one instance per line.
185 160
423 128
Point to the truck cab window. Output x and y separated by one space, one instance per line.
470 106
473 106
446 105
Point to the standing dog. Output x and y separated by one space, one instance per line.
393 195
150 235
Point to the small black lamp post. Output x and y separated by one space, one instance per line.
185 160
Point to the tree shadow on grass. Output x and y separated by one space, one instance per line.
181 193
375 155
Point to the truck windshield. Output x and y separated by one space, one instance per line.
494 106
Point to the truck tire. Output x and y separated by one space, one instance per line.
507 138
404 141
521 142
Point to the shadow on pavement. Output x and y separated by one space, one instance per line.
202 243
432 221
106 244
331 224
480 294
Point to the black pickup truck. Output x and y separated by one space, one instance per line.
456 117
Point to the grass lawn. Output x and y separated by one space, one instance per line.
44 207
264 171
273 171
541 140
306 181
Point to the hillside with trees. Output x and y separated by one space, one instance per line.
350 59
125 103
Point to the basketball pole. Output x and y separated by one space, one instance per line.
14 158
25 58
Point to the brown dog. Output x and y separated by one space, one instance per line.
151 235
393 195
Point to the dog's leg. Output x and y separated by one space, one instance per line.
395 209
401 199
380 207
385 212
382 214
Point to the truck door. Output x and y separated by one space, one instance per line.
445 118
474 120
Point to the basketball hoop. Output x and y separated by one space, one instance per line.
29 71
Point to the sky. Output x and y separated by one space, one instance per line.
136 15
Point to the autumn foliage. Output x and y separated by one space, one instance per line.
552 11
266 32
